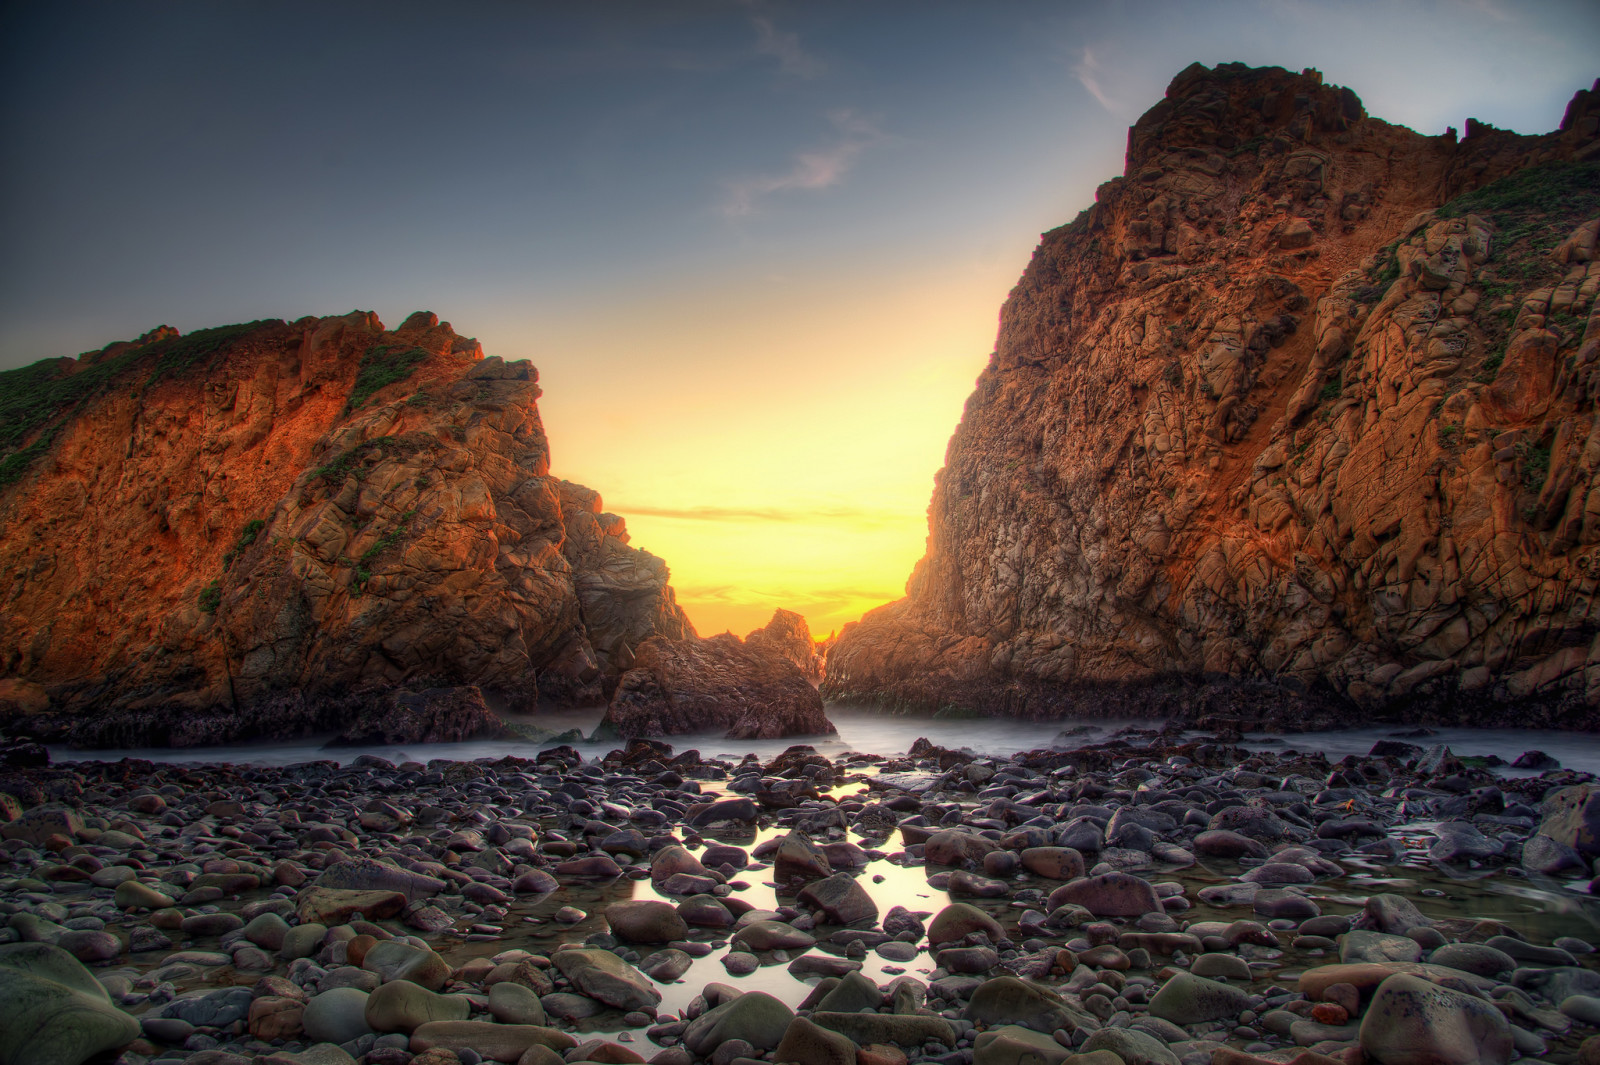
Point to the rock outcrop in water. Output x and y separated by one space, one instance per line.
282 528
751 688
1298 421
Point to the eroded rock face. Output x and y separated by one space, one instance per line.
1299 417
287 528
788 634
690 685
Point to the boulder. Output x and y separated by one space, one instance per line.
337 1015
495 1042
797 859
402 1006
1109 895
805 1043
1008 1000
1012 1045
336 906
1131 1045
841 899
367 874
1571 816
755 1017
690 684
56 1012
1190 999
392 959
646 921
959 920
606 978
1414 1022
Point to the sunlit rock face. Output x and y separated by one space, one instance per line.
1302 408
259 531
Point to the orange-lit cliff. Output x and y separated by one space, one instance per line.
273 529
1297 423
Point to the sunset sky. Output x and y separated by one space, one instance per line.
755 249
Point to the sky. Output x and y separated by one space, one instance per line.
756 249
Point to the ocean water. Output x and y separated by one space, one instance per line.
866 730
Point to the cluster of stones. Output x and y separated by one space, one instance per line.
304 915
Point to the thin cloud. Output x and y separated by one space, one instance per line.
813 170
857 515
1087 71
785 47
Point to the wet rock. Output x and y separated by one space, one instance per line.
646 921
1473 958
1391 913
366 874
841 899
959 920
605 977
401 1006
1360 945
1414 1022
1109 895
665 966
494 1042
755 1017
799 859
1541 854
1008 1000
1571 816
1190 999
1013 1045
805 1043
336 906
1053 863
908 1030
394 960
56 1013
772 935
336 1016
1132 1046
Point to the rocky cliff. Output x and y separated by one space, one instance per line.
1297 421
282 528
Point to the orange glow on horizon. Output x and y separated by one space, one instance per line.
776 444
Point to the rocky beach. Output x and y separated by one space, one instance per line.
1293 430
1150 899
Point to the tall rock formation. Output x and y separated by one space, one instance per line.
281 528
1296 423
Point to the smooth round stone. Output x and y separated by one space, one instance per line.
740 963
302 941
172 1030
1190 999
55 1010
111 876
133 895
1230 966
211 924
894 950
665 966
511 1003
337 1016
267 930
90 946
402 1006
569 915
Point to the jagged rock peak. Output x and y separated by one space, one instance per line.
1297 421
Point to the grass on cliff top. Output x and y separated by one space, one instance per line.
384 365
33 397
1541 205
